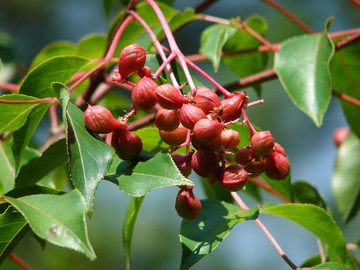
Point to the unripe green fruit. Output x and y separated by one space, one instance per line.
127 145
99 119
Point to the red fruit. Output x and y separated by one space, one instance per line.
175 137
146 71
211 145
278 148
206 99
131 59
187 205
189 115
183 163
277 166
205 163
229 138
230 108
167 120
127 144
262 143
207 131
169 97
340 135
233 178
256 168
99 119
244 156
143 94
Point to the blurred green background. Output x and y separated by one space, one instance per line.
33 24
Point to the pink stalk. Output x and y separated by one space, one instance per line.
164 64
34 101
174 48
10 87
115 41
291 16
157 45
247 121
209 78
260 101
213 19
242 205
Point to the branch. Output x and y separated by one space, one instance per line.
346 98
290 15
10 87
269 189
204 5
265 231
16 259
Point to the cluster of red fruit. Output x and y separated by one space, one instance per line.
198 118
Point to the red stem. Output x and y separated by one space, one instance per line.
157 45
290 15
10 87
34 101
251 128
355 2
174 48
265 231
16 259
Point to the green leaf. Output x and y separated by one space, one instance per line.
151 140
13 116
249 63
53 49
38 84
59 219
137 178
129 224
216 191
201 236
57 69
107 6
302 67
304 192
92 46
7 167
37 168
213 38
314 219
330 266
90 158
345 180
344 71
13 228
283 186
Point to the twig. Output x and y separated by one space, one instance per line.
349 40
10 87
346 98
31 101
269 189
242 205
290 15
142 122
16 259
204 5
